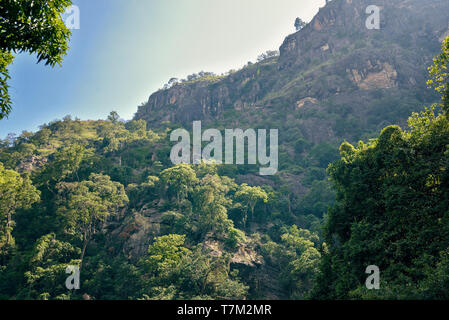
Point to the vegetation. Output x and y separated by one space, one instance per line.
104 196
80 191
35 27
299 24
391 210
15 193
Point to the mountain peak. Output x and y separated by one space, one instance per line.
343 22
334 60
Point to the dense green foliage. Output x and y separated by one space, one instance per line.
15 193
104 196
439 74
392 209
35 27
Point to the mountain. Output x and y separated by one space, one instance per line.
145 228
334 63
334 80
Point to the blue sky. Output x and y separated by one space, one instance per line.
127 49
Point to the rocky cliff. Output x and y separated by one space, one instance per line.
334 58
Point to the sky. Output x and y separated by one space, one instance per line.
127 49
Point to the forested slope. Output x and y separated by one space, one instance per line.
392 208
104 195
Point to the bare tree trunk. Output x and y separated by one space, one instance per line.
245 217
8 231
203 287
85 240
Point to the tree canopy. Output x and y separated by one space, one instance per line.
35 27
391 210
16 192
299 24
439 74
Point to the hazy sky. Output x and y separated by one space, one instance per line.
127 49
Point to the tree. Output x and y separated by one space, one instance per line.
48 262
179 181
84 204
172 271
439 74
171 83
6 59
210 204
16 192
33 27
165 254
113 117
267 55
299 24
391 210
66 163
42 137
249 197
298 259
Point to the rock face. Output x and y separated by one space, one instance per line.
136 232
334 55
334 80
369 78
31 164
341 22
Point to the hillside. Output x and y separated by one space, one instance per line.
334 80
104 195
334 63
